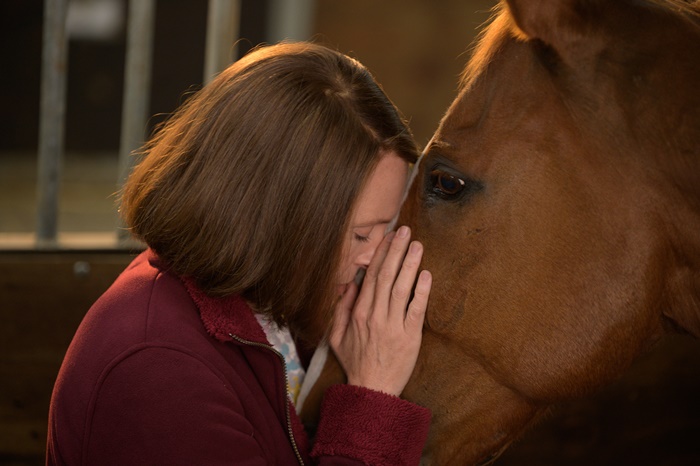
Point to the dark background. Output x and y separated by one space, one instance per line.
96 71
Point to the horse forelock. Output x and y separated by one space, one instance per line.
485 46
686 7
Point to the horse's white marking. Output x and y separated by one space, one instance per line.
318 360
409 183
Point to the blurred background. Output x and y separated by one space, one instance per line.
415 48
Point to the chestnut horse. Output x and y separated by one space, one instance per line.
559 206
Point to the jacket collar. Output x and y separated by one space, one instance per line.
226 316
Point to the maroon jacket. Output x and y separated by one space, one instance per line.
158 373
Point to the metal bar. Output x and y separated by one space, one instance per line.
137 83
290 20
51 125
223 20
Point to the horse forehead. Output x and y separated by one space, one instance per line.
504 86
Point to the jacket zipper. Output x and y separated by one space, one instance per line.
290 432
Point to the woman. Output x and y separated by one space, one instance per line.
259 201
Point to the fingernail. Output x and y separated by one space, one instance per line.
403 232
414 248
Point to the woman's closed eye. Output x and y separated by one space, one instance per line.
361 238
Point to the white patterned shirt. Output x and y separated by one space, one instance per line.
282 341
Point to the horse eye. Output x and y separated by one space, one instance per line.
446 185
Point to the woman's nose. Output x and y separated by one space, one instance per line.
367 253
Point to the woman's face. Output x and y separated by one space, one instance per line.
378 203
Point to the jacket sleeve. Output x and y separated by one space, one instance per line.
371 427
164 406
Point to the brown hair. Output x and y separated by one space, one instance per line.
249 186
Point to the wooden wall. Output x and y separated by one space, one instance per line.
43 297
415 48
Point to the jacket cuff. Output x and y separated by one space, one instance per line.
370 426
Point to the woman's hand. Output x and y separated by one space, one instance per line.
376 336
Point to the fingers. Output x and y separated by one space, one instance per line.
390 279
401 290
388 269
398 273
369 283
415 315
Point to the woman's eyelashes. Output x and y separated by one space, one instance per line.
361 238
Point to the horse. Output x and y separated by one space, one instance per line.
558 203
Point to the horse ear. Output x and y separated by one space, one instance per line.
561 24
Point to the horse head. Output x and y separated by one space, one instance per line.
559 206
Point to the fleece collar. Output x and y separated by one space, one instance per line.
226 316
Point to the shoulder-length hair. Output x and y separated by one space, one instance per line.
248 188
